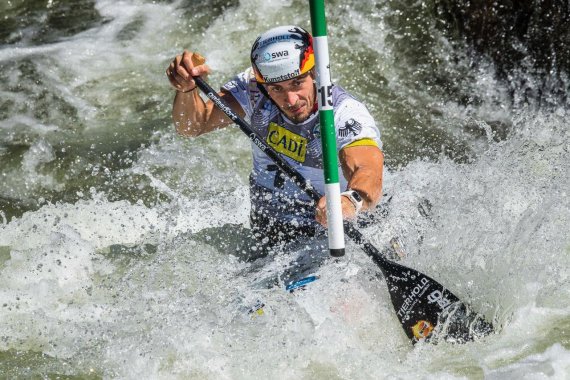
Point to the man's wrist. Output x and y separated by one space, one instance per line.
187 92
355 198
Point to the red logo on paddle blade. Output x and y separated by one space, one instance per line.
422 329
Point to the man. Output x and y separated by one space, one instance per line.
278 95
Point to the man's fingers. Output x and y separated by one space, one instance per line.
186 62
182 72
183 68
173 81
183 84
193 63
177 81
322 218
177 60
321 212
170 74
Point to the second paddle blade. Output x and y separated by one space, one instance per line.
427 310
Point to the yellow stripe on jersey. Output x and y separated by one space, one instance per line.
363 142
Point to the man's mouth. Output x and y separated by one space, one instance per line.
297 110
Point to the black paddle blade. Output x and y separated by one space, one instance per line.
427 310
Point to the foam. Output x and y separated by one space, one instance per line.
553 363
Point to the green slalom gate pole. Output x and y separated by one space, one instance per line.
328 134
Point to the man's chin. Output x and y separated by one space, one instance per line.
298 118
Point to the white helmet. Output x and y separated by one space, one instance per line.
281 54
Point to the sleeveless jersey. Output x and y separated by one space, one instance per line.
272 193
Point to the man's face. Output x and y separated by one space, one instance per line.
295 97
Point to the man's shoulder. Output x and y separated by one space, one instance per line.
341 96
352 117
243 81
243 87
346 104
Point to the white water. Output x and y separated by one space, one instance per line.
124 290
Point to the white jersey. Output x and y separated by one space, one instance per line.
272 193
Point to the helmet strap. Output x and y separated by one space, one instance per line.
266 94
316 105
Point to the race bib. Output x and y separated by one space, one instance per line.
286 142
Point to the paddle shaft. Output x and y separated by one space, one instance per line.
420 302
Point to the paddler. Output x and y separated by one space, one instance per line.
278 95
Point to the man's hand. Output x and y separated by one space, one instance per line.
362 167
183 68
348 210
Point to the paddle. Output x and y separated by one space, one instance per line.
425 308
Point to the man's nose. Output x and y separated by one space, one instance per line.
292 98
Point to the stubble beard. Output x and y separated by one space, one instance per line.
297 118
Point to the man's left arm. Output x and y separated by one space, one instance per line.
362 166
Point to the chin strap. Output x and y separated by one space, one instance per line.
315 107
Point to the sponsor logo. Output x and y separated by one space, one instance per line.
422 329
412 298
222 106
276 54
287 142
283 77
273 39
350 127
437 296
260 144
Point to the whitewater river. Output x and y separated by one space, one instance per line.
122 250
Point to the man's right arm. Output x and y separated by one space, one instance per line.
193 116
